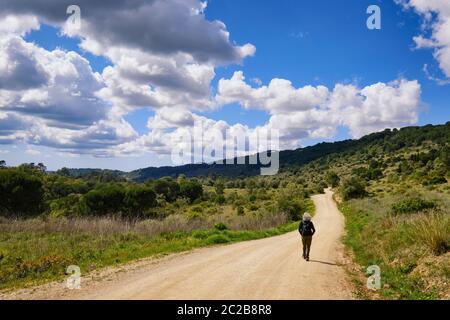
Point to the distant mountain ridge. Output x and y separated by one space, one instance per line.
391 140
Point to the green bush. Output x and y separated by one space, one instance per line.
368 173
221 226
166 187
412 205
21 192
217 239
59 186
138 199
220 188
332 179
105 199
219 199
72 205
197 209
321 186
191 190
434 180
293 208
352 188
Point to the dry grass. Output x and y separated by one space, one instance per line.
412 249
433 230
113 225
254 222
39 250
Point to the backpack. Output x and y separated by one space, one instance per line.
306 228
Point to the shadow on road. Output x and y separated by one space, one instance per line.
324 262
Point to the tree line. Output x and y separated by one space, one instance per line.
28 190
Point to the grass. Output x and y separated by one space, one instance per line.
37 251
411 250
433 231
310 207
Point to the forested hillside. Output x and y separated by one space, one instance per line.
390 141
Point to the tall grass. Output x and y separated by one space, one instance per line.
406 247
35 251
433 230
114 225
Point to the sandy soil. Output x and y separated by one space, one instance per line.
269 268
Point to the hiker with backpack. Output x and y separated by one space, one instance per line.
306 230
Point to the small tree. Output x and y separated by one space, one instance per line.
332 179
291 206
353 187
21 192
139 199
167 187
220 187
191 190
65 172
321 186
105 199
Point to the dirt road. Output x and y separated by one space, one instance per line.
270 268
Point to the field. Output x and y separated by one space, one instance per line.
37 251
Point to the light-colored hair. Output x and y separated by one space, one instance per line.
306 216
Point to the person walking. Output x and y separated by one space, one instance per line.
306 230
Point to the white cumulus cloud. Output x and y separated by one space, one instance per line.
436 16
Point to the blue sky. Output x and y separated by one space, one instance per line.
326 42
309 43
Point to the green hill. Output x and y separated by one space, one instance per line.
388 142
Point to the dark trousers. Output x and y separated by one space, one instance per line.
306 245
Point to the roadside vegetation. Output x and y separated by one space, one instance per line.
395 196
37 251
393 187
411 248
49 221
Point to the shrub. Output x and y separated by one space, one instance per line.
105 199
197 209
221 226
353 188
217 239
434 231
368 173
191 190
332 179
21 192
166 187
291 207
71 205
320 188
59 186
220 187
240 211
435 180
412 205
445 157
139 199
219 199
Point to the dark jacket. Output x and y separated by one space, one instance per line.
306 228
